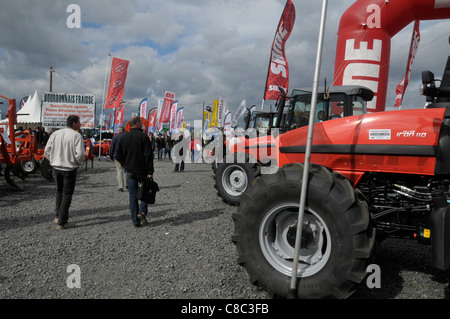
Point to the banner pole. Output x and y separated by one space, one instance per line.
103 110
293 292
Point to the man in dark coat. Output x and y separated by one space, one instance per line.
134 152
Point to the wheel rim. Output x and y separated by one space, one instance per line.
277 240
234 180
28 166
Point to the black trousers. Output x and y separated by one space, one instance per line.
178 168
65 186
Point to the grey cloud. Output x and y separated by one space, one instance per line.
200 49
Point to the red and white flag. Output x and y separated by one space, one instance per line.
180 118
173 116
118 117
117 80
143 108
166 107
278 74
401 87
152 119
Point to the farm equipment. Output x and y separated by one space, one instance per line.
103 145
234 174
373 176
20 153
17 148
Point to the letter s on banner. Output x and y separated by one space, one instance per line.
278 73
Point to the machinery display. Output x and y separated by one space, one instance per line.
20 153
234 173
17 147
372 176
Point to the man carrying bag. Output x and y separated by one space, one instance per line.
134 153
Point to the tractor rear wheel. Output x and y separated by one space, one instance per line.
337 240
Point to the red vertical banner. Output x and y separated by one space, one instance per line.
401 87
180 118
117 79
167 107
173 116
118 118
278 73
152 119
143 108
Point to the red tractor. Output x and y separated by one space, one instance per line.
373 176
16 147
245 160
19 150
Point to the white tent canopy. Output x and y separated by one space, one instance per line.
31 111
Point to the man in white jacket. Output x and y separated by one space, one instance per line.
66 152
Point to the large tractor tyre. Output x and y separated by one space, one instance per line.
231 180
337 240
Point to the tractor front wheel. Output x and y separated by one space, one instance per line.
231 180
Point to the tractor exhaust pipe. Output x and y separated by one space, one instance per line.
440 232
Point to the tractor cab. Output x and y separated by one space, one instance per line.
337 102
263 121
437 96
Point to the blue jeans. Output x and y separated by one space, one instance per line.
135 207
161 153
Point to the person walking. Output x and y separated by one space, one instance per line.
121 174
152 141
167 145
178 154
192 148
160 145
134 152
65 151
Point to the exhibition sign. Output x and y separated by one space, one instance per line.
56 107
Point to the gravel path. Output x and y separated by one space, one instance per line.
185 253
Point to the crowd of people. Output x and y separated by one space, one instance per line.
133 154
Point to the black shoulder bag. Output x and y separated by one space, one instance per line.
147 189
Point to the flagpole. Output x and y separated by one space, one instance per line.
103 110
293 292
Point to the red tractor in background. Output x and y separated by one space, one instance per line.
19 150
247 158
373 176
16 148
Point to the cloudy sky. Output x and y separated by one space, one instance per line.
199 49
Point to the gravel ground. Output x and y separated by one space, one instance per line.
185 253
